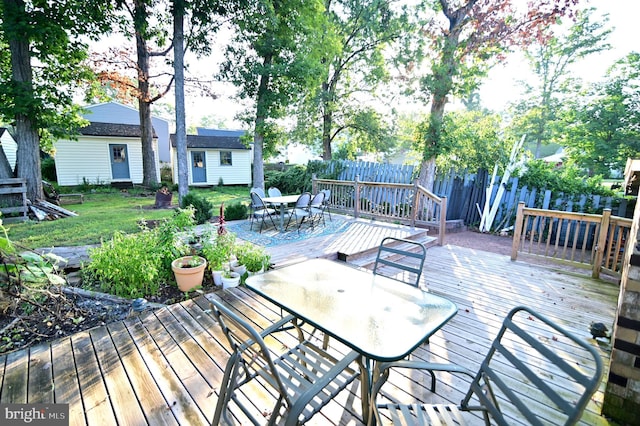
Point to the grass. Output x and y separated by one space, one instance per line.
104 213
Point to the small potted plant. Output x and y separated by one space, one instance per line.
230 279
189 271
217 250
254 258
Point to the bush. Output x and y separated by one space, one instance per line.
48 168
201 205
134 265
236 211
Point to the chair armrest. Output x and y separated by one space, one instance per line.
277 326
429 366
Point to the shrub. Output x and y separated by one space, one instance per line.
201 205
134 265
236 211
48 167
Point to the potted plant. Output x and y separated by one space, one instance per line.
254 258
189 271
230 279
217 250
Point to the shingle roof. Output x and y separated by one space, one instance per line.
218 142
113 129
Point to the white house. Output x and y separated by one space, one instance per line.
9 146
213 159
105 153
114 112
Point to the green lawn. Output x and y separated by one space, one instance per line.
102 214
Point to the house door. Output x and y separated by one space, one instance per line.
119 162
198 167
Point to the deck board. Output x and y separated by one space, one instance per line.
165 366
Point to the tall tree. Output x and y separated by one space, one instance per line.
274 57
38 100
355 40
550 61
602 127
465 38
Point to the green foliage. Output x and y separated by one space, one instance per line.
236 211
134 265
474 142
252 256
218 249
28 281
603 125
201 205
565 180
48 167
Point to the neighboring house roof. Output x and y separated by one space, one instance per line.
211 142
2 130
203 131
113 129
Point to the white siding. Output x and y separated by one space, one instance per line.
113 112
89 159
10 147
239 173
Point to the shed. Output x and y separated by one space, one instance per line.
105 153
114 112
9 146
215 158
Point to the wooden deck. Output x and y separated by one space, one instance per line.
164 367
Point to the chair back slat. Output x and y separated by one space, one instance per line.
400 259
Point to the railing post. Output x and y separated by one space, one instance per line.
314 184
414 209
517 230
443 221
602 243
356 192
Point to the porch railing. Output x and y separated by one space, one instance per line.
410 204
582 239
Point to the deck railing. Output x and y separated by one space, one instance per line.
582 239
410 204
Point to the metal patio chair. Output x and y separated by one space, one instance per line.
300 210
304 378
533 363
325 203
259 210
316 209
274 192
400 259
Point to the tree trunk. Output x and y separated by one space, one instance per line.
150 176
27 137
258 135
327 122
181 128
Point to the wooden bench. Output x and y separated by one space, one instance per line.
71 198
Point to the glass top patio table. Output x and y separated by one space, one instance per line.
379 317
281 201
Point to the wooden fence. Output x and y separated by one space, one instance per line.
598 241
467 193
410 204
13 197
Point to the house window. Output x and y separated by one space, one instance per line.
225 158
119 153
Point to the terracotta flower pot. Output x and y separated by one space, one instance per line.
189 271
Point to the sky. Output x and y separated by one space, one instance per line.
501 87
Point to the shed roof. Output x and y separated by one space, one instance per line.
113 129
217 142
